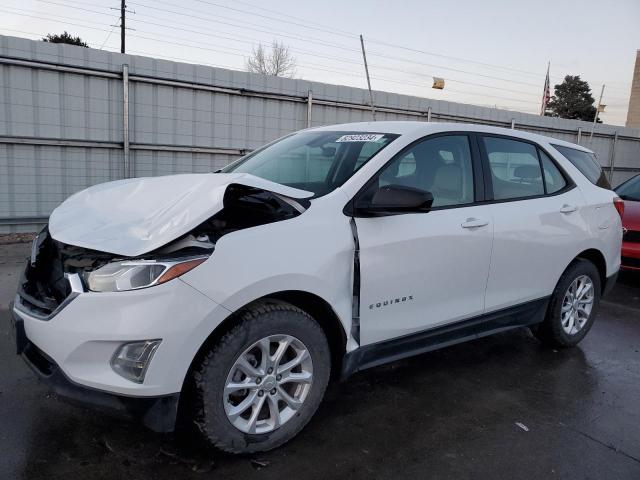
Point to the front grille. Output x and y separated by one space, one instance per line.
631 262
43 286
632 236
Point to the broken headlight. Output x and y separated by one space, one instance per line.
134 274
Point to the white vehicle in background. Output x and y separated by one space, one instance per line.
235 296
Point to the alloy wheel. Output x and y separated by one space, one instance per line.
268 384
577 304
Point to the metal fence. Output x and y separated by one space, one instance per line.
71 117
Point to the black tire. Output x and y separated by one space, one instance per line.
209 377
550 331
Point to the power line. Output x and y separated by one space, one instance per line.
355 74
323 43
109 34
330 70
318 54
294 17
243 24
311 66
355 50
49 18
342 60
380 42
330 30
303 25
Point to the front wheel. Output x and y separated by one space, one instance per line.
572 307
263 381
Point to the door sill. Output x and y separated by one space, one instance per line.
379 353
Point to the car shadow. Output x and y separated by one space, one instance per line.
431 405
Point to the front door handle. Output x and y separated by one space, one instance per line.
474 223
568 208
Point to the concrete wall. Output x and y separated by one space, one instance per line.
62 115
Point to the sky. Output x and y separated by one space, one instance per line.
490 52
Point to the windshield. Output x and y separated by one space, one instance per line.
630 190
318 162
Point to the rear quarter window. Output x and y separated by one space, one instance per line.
587 163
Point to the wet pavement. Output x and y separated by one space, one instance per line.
500 407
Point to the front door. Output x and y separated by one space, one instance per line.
422 270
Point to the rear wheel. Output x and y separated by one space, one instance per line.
263 381
573 306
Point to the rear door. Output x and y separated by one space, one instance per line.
422 270
538 221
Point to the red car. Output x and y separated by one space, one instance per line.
629 191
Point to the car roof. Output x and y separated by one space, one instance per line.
426 128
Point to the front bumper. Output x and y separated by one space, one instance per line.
81 338
157 413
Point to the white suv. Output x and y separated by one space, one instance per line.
233 297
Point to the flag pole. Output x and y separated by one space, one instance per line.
595 119
546 94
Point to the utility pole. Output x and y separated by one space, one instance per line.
366 69
123 11
595 119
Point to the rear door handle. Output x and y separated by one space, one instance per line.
568 208
474 223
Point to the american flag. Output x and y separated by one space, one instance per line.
546 94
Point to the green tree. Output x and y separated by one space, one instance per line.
572 99
65 38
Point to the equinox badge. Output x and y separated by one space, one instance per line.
390 302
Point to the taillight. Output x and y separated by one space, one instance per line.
619 204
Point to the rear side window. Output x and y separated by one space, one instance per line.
515 168
587 163
553 179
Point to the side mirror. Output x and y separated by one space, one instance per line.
396 199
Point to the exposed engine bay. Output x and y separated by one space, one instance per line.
44 286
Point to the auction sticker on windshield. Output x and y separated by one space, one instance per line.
360 137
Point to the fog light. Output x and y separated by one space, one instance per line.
131 360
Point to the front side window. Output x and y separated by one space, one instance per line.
630 190
587 163
318 162
440 165
515 168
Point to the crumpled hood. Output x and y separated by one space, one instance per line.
135 216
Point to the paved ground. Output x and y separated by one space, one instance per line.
447 414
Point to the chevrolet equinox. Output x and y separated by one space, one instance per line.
233 297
